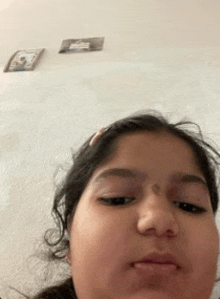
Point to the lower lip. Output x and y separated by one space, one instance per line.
155 268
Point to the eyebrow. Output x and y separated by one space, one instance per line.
191 178
128 173
117 172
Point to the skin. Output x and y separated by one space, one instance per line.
105 239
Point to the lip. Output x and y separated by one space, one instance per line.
158 258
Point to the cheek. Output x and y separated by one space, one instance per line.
97 239
203 245
98 248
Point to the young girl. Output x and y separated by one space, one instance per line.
136 214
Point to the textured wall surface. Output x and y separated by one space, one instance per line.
162 55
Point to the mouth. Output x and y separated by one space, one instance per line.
156 262
149 268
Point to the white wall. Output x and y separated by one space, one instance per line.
157 54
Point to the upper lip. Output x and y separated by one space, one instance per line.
159 258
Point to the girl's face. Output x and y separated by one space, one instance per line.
151 197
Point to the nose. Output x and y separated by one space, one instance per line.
156 216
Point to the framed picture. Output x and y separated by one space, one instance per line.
23 60
82 45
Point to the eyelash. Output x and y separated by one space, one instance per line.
190 208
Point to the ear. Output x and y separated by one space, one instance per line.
69 223
68 257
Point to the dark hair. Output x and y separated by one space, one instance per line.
88 158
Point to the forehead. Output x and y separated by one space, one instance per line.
153 151
151 139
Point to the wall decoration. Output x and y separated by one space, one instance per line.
82 45
23 60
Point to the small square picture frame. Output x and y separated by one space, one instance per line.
23 60
82 45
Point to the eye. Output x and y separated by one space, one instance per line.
117 201
190 208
